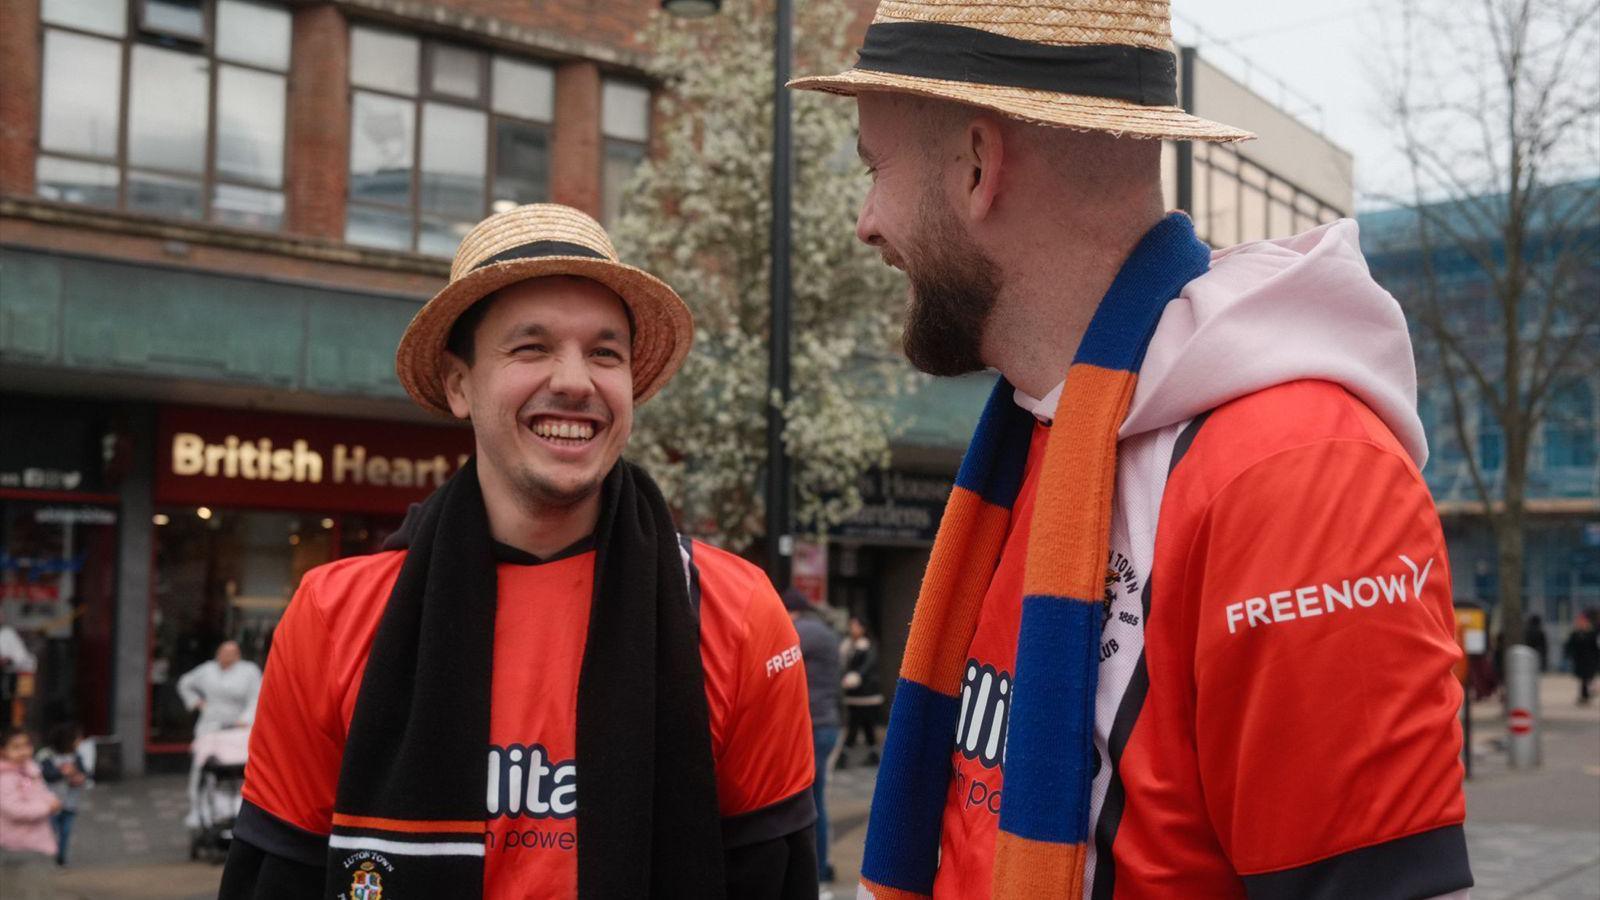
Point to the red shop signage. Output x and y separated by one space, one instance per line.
234 458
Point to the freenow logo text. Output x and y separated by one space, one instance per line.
1326 598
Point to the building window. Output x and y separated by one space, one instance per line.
625 126
166 107
1569 438
1491 444
441 135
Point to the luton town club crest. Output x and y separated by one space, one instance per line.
366 884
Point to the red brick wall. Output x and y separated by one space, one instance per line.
19 94
319 123
575 156
614 22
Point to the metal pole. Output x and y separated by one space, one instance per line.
1522 696
1185 183
778 476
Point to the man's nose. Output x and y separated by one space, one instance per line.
570 377
867 221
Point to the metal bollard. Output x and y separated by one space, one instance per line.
1522 702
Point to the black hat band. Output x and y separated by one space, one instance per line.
958 53
542 248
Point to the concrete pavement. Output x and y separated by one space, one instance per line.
1533 835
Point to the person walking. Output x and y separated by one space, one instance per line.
224 691
1582 649
863 691
27 843
819 647
429 712
1533 635
1191 506
67 774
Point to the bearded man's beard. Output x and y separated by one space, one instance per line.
953 290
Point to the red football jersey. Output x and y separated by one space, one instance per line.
760 724
1275 687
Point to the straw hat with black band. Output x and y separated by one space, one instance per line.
536 241
1102 65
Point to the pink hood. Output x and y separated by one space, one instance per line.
25 807
1271 312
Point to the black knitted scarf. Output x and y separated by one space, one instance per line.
411 814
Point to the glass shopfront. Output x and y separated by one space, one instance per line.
59 520
246 504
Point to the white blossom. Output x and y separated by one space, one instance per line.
698 214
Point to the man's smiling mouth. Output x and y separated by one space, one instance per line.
564 431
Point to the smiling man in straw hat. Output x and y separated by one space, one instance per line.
1186 630
541 690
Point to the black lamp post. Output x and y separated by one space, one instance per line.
779 539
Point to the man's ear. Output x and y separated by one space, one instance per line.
986 149
456 386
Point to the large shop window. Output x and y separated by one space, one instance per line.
58 563
164 107
440 136
625 126
221 575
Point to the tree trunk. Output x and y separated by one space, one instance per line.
1509 539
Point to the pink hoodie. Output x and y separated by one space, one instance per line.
25 805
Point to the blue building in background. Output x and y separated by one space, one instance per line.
1561 573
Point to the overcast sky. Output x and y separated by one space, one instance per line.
1329 54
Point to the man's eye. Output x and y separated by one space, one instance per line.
529 348
607 352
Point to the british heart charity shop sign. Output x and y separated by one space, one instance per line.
232 458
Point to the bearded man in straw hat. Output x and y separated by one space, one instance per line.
541 690
1186 630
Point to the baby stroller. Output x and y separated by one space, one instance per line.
219 757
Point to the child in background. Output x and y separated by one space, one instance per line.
66 772
27 844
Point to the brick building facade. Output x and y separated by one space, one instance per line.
216 217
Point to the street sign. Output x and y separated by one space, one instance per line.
1520 721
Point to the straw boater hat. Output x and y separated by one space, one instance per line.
535 241
1093 65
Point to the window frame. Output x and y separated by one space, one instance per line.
135 34
607 140
425 94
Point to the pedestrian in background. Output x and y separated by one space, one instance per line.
67 774
819 648
863 694
1583 648
224 690
27 844
1533 635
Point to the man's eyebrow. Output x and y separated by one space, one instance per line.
611 334
862 151
526 329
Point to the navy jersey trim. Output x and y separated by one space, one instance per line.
277 837
796 812
1410 868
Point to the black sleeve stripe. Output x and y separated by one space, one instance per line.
279 838
1111 810
795 813
1409 868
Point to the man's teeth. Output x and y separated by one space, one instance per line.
558 428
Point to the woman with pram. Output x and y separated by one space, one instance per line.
224 691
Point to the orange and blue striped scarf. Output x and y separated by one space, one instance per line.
1049 762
